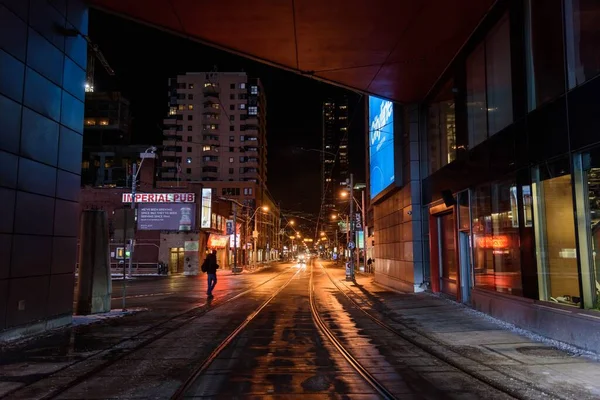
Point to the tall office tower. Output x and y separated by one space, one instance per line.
216 132
334 155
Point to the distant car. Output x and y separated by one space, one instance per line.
301 260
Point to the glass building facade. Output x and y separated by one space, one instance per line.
513 158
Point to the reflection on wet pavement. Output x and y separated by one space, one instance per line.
280 353
71 352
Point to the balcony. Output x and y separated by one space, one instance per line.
251 137
208 128
210 174
211 163
211 109
251 163
250 151
211 92
211 118
211 140
171 139
211 88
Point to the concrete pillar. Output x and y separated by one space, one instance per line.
94 286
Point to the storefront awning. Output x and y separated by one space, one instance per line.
217 241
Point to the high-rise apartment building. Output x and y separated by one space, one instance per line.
216 132
334 155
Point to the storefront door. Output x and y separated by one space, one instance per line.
464 246
176 259
447 253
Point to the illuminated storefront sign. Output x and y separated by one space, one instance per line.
160 197
205 217
381 144
493 242
217 241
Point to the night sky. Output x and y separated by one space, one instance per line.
144 58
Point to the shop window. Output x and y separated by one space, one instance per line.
489 85
476 104
587 196
554 222
441 129
544 52
582 34
496 241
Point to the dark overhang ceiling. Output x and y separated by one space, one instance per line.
396 49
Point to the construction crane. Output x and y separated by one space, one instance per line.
93 54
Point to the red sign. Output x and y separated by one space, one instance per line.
160 197
217 241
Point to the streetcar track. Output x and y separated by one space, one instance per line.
358 367
82 378
511 391
192 378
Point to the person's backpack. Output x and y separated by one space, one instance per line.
204 266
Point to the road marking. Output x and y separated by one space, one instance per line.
142 295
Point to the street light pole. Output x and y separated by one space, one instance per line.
351 230
255 236
133 204
364 226
135 171
234 237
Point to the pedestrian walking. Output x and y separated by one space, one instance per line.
210 266
369 264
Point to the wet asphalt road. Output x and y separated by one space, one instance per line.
279 354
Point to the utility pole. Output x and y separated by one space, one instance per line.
255 236
246 227
364 226
133 204
350 275
234 237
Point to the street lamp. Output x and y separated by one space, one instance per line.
135 172
282 233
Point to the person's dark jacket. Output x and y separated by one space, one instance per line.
211 267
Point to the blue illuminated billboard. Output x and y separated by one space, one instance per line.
381 145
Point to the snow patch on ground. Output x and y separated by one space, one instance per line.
568 348
94 318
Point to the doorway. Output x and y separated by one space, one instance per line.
176 260
464 246
446 225
465 266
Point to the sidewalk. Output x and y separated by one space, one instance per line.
476 342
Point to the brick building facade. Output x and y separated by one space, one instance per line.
181 252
